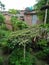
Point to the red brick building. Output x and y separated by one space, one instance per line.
30 18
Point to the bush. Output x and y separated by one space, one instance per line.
3 27
18 24
17 58
2 18
42 54
3 37
2 22
15 41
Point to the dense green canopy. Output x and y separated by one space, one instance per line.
41 14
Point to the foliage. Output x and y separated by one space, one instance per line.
15 41
17 58
17 24
3 27
2 18
2 6
3 37
13 11
43 54
1 60
2 22
22 37
41 14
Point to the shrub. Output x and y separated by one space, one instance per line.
3 37
42 54
17 58
18 24
2 22
2 18
3 27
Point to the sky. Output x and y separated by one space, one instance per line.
18 4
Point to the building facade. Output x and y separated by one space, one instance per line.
29 17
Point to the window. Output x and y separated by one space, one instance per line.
22 18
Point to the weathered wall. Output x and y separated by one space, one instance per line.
7 21
28 19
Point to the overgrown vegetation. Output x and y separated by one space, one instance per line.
24 45
15 46
41 13
18 24
39 46
36 45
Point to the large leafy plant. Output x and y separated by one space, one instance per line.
18 24
2 18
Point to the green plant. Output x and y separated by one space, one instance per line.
13 11
16 40
3 37
42 54
41 13
1 60
17 58
42 42
2 19
17 24
3 27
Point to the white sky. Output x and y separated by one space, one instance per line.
18 4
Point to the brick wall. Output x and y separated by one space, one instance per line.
28 19
7 21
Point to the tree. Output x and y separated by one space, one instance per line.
2 6
13 11
41 14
